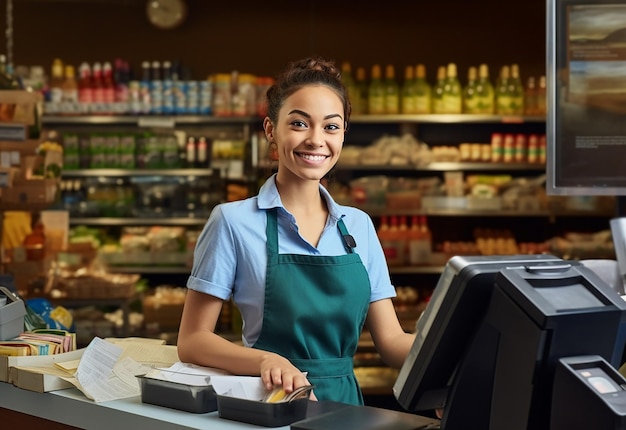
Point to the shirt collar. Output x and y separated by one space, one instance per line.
269 198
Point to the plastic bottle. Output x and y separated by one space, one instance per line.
190 149
97 86
376 92
423 91
70 90
56 82
202 152
85 92
108 86
392 91
420 242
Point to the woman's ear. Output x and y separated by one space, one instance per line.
269 129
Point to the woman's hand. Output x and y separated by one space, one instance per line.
278 371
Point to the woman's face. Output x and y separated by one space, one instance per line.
309 133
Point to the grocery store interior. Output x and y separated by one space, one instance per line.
129 229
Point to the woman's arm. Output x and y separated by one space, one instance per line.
391 341
199 344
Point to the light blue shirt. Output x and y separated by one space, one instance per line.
231 256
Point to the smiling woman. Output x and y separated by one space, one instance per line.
305 273
166 14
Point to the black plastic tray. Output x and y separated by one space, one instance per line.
190 398
262 413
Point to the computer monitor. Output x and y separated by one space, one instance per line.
487 342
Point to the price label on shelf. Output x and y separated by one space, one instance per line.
156 122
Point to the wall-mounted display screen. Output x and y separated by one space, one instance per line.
586 124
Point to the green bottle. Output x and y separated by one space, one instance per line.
348 81
484 92
516 91
407 93
392 91
452 97
376 92
437 96
423 91
359 101
503 97
470 101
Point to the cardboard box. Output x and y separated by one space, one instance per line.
19 107
35 191
11 315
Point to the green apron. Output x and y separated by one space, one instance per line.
315 308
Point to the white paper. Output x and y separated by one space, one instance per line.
224 383
101 377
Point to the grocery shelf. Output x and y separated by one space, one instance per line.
127 221
150 270
145 120
444 166
376 212
447 119
83 173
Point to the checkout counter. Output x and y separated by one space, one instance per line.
66 409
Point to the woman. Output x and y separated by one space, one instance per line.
305 272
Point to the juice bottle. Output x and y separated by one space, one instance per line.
97 86
56 81
347 79
376 92
69 89
85 92
530 97
108 86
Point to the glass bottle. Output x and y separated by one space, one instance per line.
376 92
541 96
530 97
452 98
516 91
407 93
503 97
392 91
437 96
484 91
359 102
470 100
348 81
423 91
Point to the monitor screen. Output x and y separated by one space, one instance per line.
487 342
586 91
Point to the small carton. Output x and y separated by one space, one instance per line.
11 315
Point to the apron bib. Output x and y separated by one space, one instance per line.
315 308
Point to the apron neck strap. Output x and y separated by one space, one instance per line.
271 231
